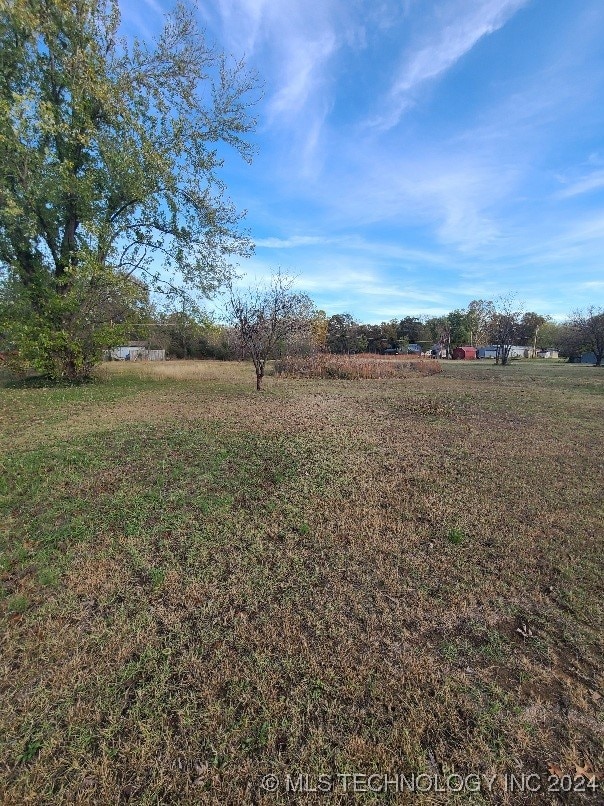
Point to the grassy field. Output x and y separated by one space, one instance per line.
202 585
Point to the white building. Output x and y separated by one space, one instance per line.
516 351
137 351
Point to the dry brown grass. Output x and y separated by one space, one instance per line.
225 371
202 584
365 366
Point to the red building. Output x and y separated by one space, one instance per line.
463 353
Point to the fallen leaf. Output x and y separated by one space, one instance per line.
554 769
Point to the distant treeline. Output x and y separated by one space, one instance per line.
194 334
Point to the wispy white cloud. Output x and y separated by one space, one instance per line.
351 206
586 184
155 6
475 188
583 230
302 72
456 194
453 33
135 23
291 243
294 44
242 21
378 249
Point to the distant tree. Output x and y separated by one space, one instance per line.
529 327
264 315
588 329
570 342
403 345
459 329
412 329
342 333
390 332
183 330
318 329
504 327
549 335
361 345
373 337
218 342
478 316
439 328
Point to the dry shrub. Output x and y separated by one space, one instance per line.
353 367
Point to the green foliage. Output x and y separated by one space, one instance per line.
550 334
585 333
107 158
528 328
64 335
456 536
48 577
17 604
342 334
478 314
459 328
31 750
411 329
157 577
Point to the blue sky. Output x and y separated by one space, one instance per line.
416 154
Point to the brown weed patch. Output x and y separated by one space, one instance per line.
353 367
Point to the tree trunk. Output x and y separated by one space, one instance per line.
68 366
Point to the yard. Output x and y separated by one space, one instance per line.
202 585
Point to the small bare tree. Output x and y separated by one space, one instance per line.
504 327
266 315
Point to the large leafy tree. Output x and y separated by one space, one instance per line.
109 160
